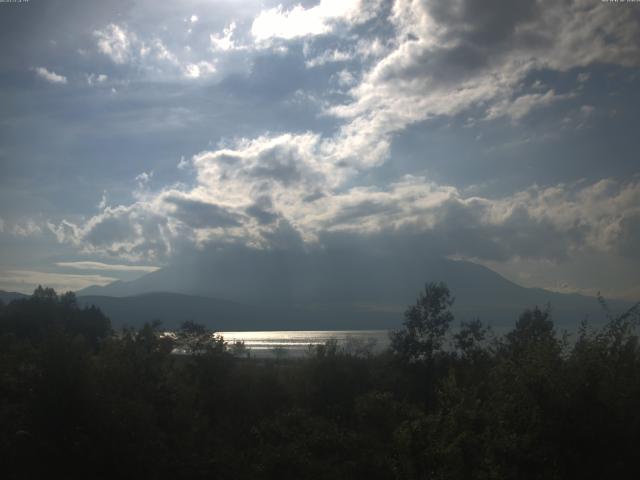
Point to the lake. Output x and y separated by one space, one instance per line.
295 343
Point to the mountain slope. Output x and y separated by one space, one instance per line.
7 297
174 308
347 290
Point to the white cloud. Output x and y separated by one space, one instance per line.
93 78
161 52
183 163
107 266
247 192
345 78
521 106
300 22
329 56
103 201
49 76
115 42
27 280
224 42
443 60
133 233
26 228
197 70
448 58
151 55
144 178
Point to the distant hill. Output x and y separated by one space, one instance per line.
330 290
7 297
173 309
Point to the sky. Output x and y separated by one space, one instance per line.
136 133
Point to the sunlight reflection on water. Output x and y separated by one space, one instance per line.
296 342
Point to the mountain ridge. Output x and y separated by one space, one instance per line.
339 291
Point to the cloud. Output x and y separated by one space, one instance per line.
183 163
159 51
224 42
27 280
103 201
150 55
583 77
198 214
328 56
263 215
432 60
451 57
49 76
197 70
26 228
115 42
134 232
300 22
248 193
519 107
144 178
94 79
107 267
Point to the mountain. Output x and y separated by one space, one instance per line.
336 289
219 315
7 297
172 309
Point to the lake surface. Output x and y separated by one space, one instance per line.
295 343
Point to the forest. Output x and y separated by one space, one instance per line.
447 400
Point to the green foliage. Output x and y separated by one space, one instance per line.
458 405
425 326
36 317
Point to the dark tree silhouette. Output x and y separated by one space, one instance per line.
80 401
426 324
37 316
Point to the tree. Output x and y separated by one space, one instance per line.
36 316
239 350
534 330
194 339
426 324
44 294
471 338
69 300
